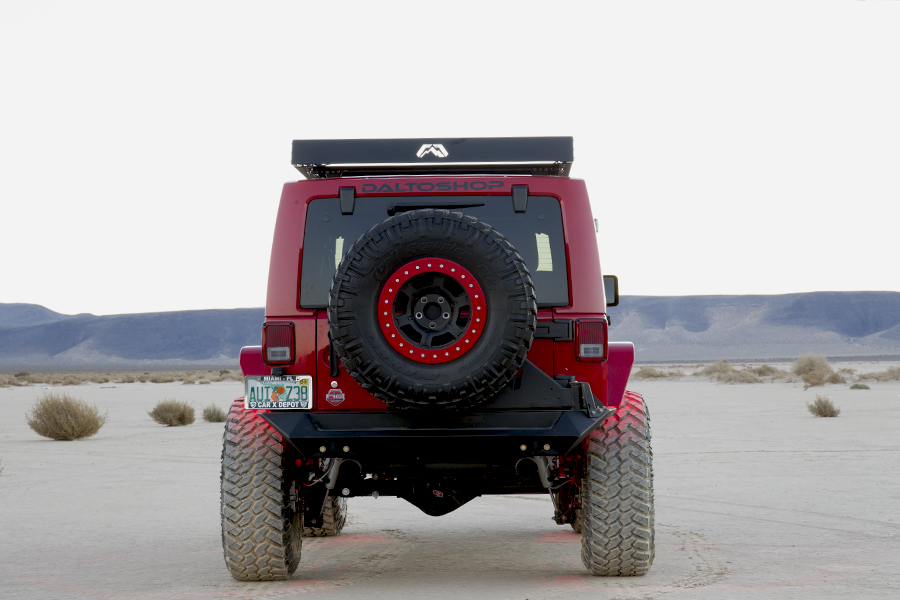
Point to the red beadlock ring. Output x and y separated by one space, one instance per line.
392 319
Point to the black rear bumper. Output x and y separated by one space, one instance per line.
380 436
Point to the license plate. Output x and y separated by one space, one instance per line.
285 392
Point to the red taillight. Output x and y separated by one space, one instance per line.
278 343
591 339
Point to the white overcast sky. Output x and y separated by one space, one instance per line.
728 147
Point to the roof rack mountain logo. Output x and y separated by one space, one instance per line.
436 149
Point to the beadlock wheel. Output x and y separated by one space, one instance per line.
433 310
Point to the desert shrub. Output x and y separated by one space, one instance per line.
142 378
890 374
835 378
71 380
813 379
99 379
847 370
742 376
62 417
766 371
724 372
162 379
224 372
126 379
720 366
173 413
203 382
823 407
214 414
809 363
21 374
648 373
859 386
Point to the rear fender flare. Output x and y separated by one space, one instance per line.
619 363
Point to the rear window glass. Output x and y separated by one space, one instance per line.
536 234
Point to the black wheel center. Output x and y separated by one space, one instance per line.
432 310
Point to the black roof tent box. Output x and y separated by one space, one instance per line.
547 156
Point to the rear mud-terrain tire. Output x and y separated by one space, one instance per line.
617 536
260 528
471 378
334 515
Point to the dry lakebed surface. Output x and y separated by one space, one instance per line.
755 498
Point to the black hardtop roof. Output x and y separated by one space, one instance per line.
318 159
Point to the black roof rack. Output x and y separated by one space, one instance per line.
320 159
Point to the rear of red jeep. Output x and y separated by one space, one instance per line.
436 329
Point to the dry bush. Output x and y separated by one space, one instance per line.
742 376
823 407
835 378
766 371
162 378
71 380
720 366
653 373
649 373
813 369
204 382
126 379
142 378
809 363
859 386
814 379
847 371
62 417
214 414
724 372
173 413
890 374
21 374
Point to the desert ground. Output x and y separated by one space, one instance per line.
755 498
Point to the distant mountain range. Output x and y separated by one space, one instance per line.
663 329
686 328
34 337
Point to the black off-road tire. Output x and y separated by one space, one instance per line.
335 515
617 536
260 528
468 380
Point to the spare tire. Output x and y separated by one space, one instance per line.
432 308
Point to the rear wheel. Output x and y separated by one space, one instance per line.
617 529
260 524
334 517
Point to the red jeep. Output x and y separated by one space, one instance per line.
436 329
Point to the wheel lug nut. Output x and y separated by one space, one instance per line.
446 315
440 300
424 299
431 324
419 315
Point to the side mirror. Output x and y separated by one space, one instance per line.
611 289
